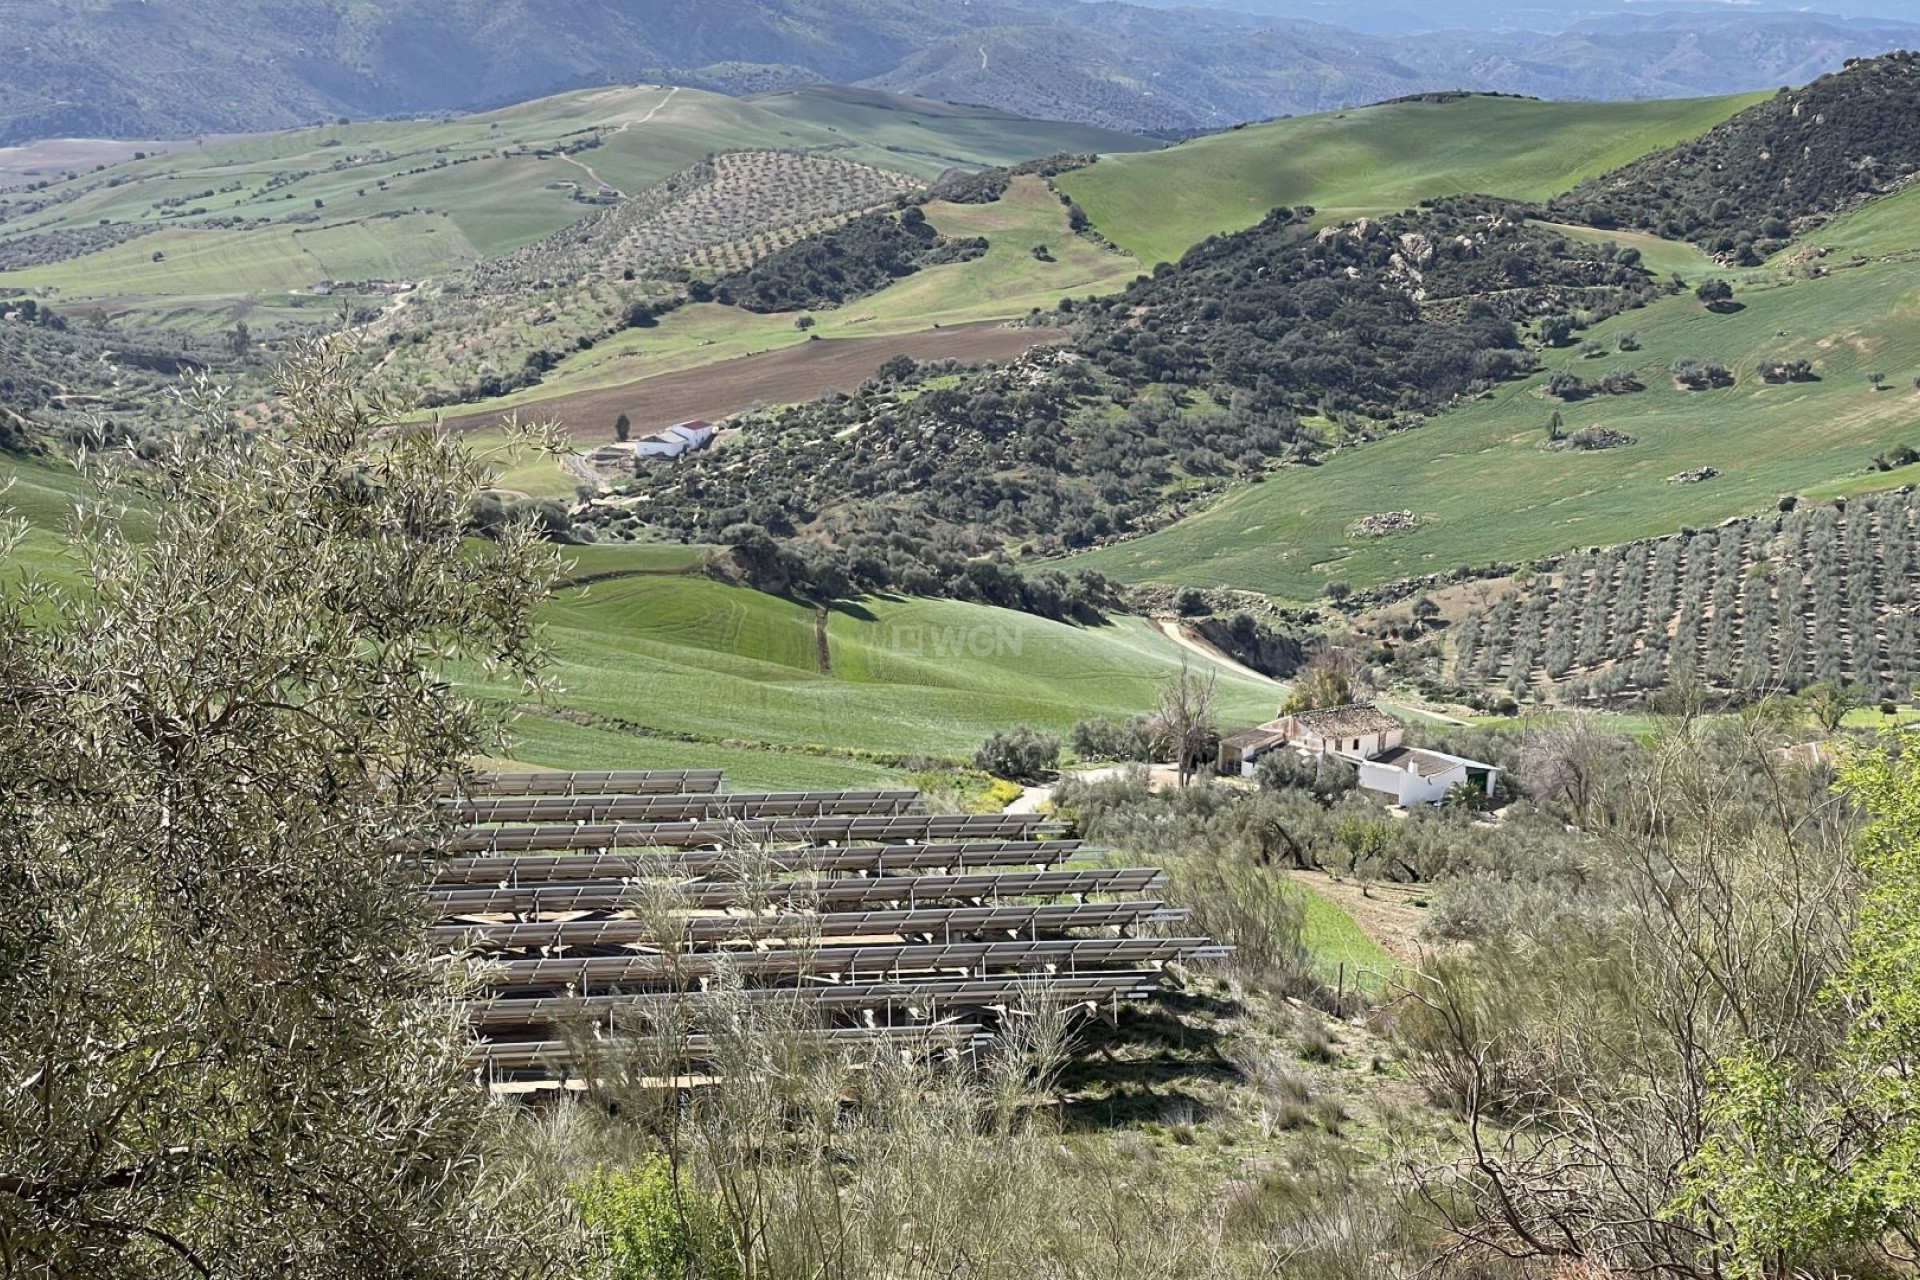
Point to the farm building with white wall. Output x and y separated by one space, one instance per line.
1370 740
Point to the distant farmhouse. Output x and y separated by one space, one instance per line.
681 437
1370 740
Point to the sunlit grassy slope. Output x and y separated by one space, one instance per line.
696 658
1485 490
1374 160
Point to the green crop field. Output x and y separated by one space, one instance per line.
700 660
1341 950
676 670
1374 160
1484 489
927 137
41 496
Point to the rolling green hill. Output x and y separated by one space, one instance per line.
925 136
693 657
1374 160
668 669
1885 227
264 219
1484 489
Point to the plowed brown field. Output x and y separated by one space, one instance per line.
790 375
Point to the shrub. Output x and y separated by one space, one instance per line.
1786 371
1326 777
647 1229
1101 739
1568 386
1714 294
1699 375
1022 753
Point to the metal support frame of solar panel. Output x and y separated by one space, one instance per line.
949 855
679 808
921 996
915 922
617 782
537 899
516 1054
554 838
585 973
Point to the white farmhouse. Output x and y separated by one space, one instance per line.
681 437
1368 739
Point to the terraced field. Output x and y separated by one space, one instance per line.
1483 488
1374 160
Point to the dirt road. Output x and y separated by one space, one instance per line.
789 375
1178 633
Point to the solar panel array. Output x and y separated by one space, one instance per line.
605 903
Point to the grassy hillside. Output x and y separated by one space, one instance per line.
412 199
699 673
1890 225
1374 160
691 657
1008 281
1484 489
924 136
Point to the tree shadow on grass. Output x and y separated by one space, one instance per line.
1144 1065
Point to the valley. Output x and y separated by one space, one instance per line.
746 639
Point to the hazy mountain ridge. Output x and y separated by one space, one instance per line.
174 68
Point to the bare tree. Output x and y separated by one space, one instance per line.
1569 760
1183 724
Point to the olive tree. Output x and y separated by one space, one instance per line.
224 1046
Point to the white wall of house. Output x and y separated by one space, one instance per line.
1409 787
1367 745
694 436
656 448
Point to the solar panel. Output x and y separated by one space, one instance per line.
618 782
880 918
926 921
955 855
536 899
693 835
676 808
910 994
517 1054
848 962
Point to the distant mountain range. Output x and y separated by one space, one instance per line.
1546 16
171 68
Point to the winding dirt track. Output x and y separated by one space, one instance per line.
789 375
